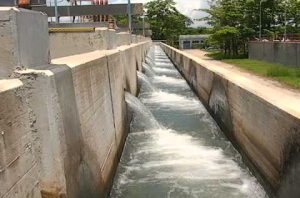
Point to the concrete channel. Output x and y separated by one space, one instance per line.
264 126
175 148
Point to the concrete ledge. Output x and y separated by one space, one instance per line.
24 39
72 43
264 124
67 44
52 101
99 83
19 170
124 38
65 124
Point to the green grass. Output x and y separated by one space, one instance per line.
217 55
287 75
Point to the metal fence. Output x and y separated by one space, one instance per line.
279 37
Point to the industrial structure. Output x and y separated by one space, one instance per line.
191 41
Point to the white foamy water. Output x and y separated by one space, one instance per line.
175 149
170 80
180 161
145 81
171 100
148 70
164 70
142 113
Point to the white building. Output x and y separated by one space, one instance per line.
187 41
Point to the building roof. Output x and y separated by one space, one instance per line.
199 36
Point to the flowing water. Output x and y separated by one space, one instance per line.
144 81
174 148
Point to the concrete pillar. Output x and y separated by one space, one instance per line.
24 39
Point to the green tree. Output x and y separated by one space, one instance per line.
167 23
243 16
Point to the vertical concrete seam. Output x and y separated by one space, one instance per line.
111 98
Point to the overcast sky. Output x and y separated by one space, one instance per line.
186 7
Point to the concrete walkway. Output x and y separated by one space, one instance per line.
272 91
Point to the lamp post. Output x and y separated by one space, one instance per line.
129 17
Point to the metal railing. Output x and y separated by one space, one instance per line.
279 38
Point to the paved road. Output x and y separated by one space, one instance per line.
274 92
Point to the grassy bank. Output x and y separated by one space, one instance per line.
282 73
217 55
287 75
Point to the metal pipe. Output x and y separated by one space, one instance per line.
144 25
56 11
129 17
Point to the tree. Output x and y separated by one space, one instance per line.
227 38
239 19
167 23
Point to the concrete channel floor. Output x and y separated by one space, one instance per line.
270 90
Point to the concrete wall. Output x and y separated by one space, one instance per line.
267 135
19 169
276 52
62 125
67 44
62 44
24 39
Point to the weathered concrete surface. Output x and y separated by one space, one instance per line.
62 44
62 125
67 44
276 52
99 82
24 39
263 118
52 101
124 38
19 170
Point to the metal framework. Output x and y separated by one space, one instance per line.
84 10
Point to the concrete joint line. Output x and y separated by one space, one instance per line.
111 98
13 161
106 157
20 179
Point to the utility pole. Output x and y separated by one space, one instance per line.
143 17
285 20
144 26
260 10
56 11
129 17
260 17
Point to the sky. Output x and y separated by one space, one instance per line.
186 7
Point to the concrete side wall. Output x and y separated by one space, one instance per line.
19 169
124 38
24 40
72 43
64 125
52 100
67 44
264 133
276 52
